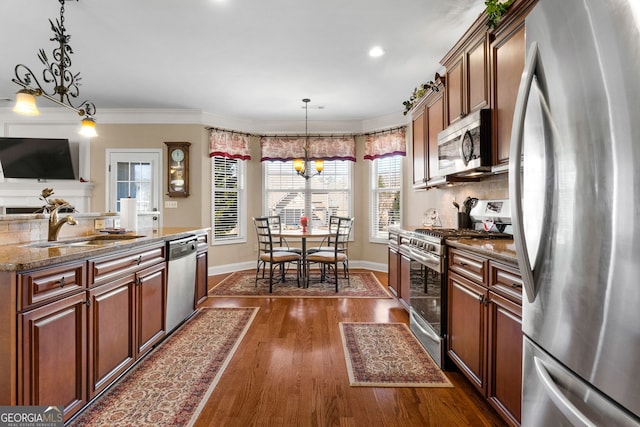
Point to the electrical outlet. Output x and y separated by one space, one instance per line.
98 224
171 204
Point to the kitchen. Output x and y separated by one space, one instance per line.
419 201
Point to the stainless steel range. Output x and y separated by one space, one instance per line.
426 247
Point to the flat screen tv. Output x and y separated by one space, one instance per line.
41 158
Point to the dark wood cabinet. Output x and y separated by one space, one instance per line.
467 328
53 355
485 328
112 347
435 114
467 73
151 298
394 270
504 355
405 281
202 268
419 147
507 57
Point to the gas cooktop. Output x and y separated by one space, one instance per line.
452 233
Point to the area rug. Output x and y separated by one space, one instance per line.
242 284
388 355
170 386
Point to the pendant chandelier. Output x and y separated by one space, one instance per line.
65 84
300 165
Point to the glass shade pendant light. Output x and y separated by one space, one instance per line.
300 165
65 83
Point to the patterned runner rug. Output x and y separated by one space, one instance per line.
170 385
363 285
388 355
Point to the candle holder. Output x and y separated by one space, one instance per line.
304 222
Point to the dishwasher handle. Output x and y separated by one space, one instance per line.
182 247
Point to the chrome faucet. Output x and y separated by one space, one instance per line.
55 225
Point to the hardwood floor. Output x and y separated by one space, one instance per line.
289 370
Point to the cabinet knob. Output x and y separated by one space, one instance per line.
61 282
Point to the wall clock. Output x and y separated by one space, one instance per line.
178 169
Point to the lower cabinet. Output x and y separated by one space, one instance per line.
485 328
53 355
74 346
405 281
202 269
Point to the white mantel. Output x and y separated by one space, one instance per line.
24 193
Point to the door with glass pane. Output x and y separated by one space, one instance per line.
135 174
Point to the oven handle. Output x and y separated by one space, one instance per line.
427 331
427 259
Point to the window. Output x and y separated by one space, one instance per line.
227 213
289 195
386 181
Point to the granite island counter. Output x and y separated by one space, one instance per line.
75 318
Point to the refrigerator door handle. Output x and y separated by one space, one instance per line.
515 166
563 404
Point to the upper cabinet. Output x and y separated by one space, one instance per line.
482 70
427 121
507 56
467 73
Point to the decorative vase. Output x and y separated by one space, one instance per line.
304 222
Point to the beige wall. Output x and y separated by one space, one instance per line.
194 210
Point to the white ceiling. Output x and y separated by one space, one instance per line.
247 59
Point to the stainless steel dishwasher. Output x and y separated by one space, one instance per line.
181 280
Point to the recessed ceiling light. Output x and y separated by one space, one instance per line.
376 52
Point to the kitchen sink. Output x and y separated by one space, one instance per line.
84 242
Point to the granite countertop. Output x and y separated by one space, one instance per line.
500 249
17 257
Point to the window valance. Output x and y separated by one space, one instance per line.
387 143
285 148
231 145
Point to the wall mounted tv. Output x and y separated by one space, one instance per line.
41 158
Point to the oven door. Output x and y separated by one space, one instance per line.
428 303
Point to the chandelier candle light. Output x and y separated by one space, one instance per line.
300 165
65 83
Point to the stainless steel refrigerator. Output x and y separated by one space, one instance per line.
574 185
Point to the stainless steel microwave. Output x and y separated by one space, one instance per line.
464 148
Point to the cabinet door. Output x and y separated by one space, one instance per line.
477 75
504 383
435 125
467 325
394 262
201 277
455 91
150 307
111 332
405 281
419 148
508 56
53 355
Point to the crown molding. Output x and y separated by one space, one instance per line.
198 117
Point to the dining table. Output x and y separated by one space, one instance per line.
299 234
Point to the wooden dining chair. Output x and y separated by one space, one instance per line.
267 256
331 258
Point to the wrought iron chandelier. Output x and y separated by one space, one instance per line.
300 165
56 72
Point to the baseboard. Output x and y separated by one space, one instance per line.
248 265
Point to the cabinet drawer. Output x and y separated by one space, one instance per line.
41 286
506 281
468 265
105 269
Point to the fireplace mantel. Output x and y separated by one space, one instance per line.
26 193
